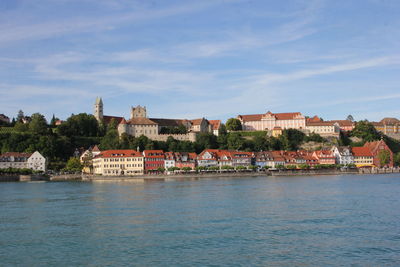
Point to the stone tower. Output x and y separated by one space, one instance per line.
138 112
98 109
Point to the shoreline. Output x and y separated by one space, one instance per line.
196 176
189 176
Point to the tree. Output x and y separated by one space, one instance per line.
222 130
384 157
80 125
235 141
73 165
38 124
396 159
233 125
20 126
366 131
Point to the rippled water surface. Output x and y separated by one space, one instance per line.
297 221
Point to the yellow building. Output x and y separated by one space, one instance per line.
363 157
119 162
277 131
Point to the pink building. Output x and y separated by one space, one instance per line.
269 120
325 157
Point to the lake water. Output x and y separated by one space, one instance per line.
264 221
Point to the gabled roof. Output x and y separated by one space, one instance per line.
215 124
141 121
154 153
168 122
390 121
286 116
197 121
361 152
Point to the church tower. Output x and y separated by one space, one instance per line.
98 109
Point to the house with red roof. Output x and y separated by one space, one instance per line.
34 161
378 148
153 160
215 125
325 157
269 120
185 159
118 162
362 157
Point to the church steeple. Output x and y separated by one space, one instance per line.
98 109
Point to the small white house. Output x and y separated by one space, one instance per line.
343 155
34 161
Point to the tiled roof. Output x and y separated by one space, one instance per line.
390 121
168 122
361 152
286 116
196 121
253 117
107 119
119 153
215 124
95 149
15 154
344 122
141 121
314 119
320 123
154 153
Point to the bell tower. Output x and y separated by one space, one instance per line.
98 109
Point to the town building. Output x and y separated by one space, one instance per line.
153 160
343 155
362 157
269 120
119 162
388 126
208 158
264 159
323 128
215 125
378 147
276 131
169 160
185 159
86 159
34 161
325 157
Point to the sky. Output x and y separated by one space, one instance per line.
210 58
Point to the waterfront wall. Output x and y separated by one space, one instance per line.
22 178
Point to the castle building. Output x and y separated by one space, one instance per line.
154 128
269 120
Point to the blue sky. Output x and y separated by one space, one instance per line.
190 59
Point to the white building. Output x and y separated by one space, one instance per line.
343 155
34 161
169 160
323 128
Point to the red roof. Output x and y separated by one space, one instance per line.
286 116
153 153
215 124
141 121
120 153
253 117
361 152
196 121
107 119
16 155
95 149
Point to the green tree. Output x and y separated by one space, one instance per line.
233 124
235 141
73 165
366 131
222 130
384 157
80 125
38 124
21 127
396 159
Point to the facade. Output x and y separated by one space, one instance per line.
269 120
153 160
325 157
34 161
185 159
343 155
323 128
118 162
215 125
169 160
86 159
208 158
277 131
377 148
388 126
264 158
362 157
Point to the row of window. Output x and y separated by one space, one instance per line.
123 159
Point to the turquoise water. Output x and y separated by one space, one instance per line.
300 221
